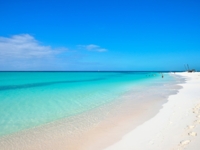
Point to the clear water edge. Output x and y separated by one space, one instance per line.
61 95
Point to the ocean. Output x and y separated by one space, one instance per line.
31 99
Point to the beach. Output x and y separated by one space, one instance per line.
99 75
166 117
175 127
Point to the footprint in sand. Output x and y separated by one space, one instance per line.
191 127
192 134
197 121
195 108
195 111
185 142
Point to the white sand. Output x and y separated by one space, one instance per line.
175 127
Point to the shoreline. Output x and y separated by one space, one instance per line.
112 122
175 127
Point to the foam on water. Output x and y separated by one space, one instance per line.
29 99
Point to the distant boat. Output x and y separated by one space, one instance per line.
189 70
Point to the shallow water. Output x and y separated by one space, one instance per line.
30 99
101 124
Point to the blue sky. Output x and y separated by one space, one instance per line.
99 35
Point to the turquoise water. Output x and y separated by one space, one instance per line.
29 99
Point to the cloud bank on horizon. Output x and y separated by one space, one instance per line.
24 52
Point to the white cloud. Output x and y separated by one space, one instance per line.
24 51
92 47
25 46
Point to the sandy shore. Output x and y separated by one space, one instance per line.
175 127
100 127
125 125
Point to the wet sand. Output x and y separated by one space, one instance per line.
98 128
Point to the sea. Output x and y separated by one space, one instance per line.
32 99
